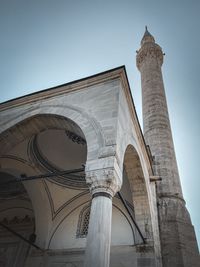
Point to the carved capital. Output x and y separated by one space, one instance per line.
147 52
103 180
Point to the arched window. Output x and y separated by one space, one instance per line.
83 222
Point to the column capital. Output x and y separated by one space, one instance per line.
105 180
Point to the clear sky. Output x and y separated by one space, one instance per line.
45 43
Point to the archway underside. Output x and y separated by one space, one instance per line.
138 192
43 145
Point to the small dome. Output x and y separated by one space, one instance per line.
147 38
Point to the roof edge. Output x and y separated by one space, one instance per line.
122 67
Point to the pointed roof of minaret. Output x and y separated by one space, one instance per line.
147 37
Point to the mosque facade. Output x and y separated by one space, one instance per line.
82 185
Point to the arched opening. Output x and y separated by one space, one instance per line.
122 232
131 223
134 190
43 157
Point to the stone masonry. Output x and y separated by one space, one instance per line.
178 241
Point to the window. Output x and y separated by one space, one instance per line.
83 223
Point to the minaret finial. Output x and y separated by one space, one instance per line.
147 37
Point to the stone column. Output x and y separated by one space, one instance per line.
103 185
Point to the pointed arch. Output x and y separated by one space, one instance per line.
21 134
139 192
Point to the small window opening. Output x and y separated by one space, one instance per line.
83 224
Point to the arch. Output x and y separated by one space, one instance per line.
123 228
22 134
139 192
89 127
66 225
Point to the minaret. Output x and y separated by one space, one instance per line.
178 241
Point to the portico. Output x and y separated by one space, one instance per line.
88 125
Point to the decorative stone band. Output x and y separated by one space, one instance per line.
102 194
18 221
149 51
173 209
103 181
171 196
75 137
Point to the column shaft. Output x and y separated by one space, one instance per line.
99 233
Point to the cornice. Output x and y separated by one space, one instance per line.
64 88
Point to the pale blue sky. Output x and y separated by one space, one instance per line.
45 43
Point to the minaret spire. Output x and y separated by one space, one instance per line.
178 242
147 37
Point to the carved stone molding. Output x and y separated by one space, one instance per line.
149 51
17 220
75 137
103 180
